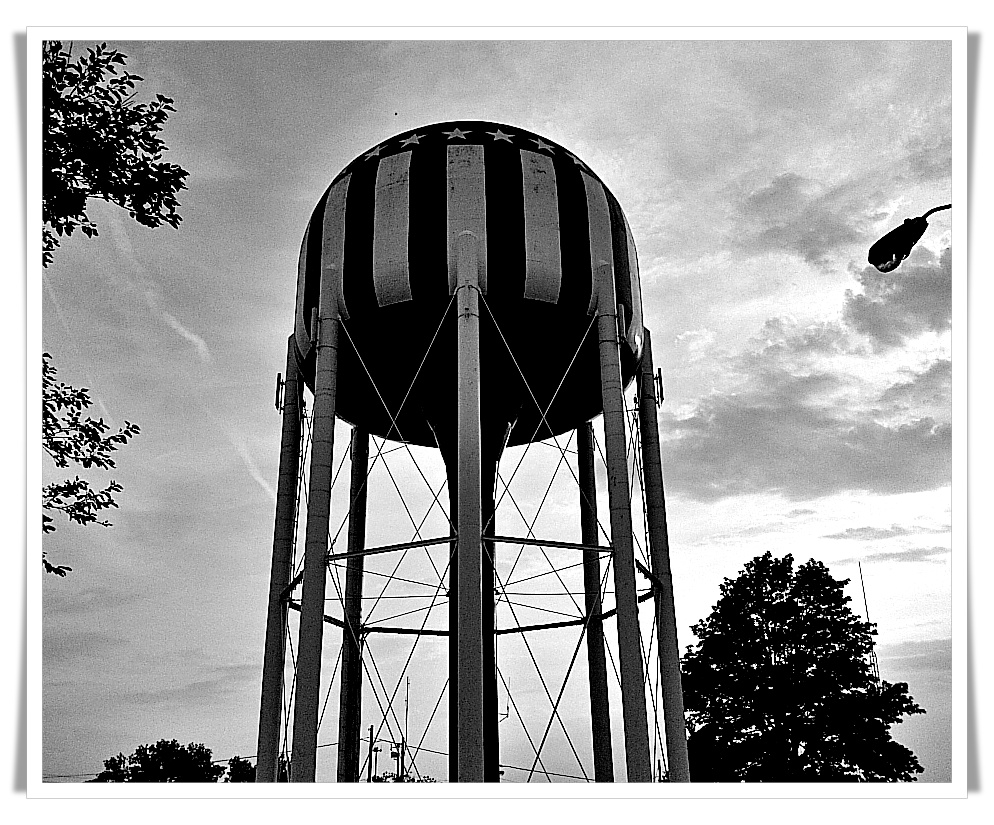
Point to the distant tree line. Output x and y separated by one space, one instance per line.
169 761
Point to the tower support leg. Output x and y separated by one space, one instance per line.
669 650
350 700
633 708
469 525
491 735
271 706
600 710
305 715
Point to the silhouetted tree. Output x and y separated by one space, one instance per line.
388 776
98 143
115 770
165 761
780 689
240 770
68 436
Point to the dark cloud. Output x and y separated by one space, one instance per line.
63 645
929 154
798 215
803 216
226 681
910 554
780 427
904 303
932 387
936 553
775 444
869 533
876 533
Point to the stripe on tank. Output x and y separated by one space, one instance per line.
300 328
635 329
333 247
391 230
466 206
543 260
601 251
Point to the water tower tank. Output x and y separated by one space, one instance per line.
385 233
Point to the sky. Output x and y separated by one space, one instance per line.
808 397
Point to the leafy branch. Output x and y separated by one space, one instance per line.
99 143
69 435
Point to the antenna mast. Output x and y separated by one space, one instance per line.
874 663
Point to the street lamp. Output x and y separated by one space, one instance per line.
887 253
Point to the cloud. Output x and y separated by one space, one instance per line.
142 286
696 342
929 154
878 533
229 679
902 304
786 421
774 444
60 646
195 340
936 553
803 216
934 655
238 442
930 389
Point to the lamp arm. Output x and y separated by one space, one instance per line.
937 209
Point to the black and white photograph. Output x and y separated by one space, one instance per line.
549 408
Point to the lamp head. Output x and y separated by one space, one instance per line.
887 253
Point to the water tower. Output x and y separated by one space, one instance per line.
470 287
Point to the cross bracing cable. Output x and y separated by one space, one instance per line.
541 678
538 406
521 721
530 526
417 525
543 610
410 655
393 418
331 682
569 670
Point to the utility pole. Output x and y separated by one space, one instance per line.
369 763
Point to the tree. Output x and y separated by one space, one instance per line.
98 143
165 761
779 687
240 770
67 436
388 776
